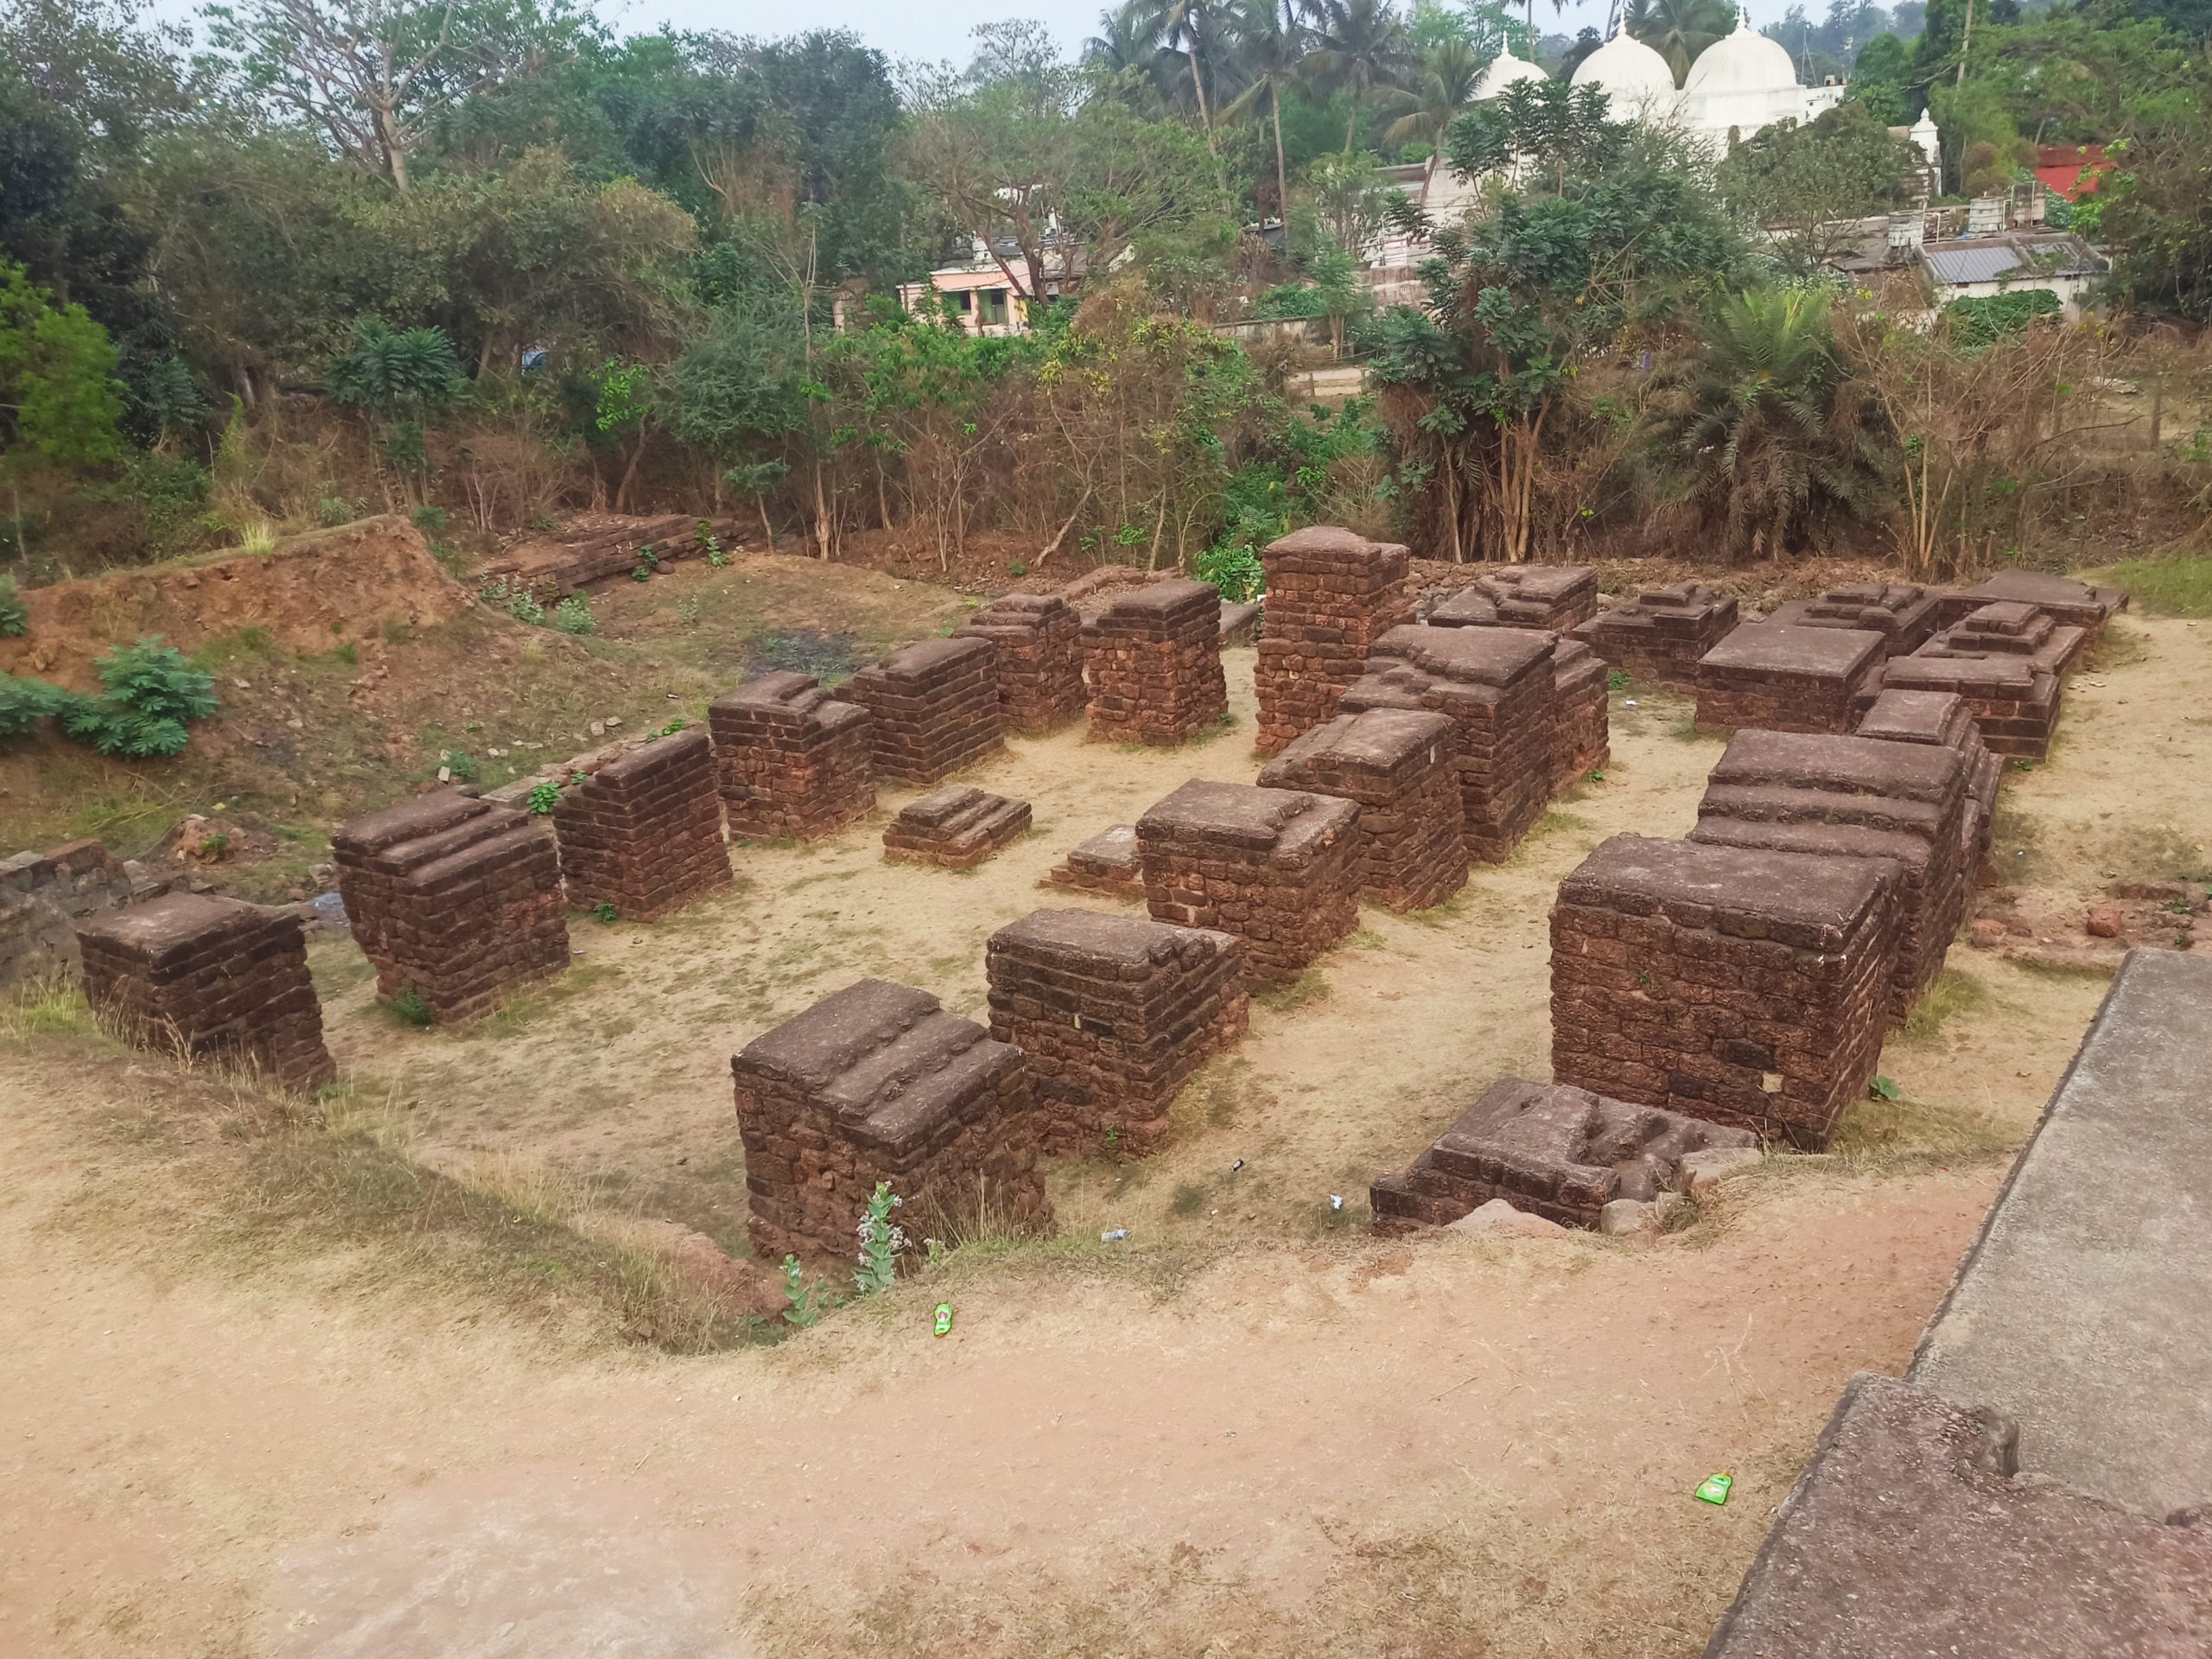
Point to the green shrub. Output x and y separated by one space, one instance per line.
881 1240
13 619
460 765
1978 322
524 607
25 702
409 1008
152 695
333 510
431 520
544 797
604 911
1235 569
573 615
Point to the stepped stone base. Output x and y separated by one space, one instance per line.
1777 678
1554 597
1039 640
1109 862
1662 633
1400 764
1942 717
957 827
1905 614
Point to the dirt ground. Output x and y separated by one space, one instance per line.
1250 1429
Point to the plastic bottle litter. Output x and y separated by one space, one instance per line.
1714 1489
941 1320
1336 1201
1114 1237
1238 1164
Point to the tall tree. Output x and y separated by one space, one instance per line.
1272 53
1443 86
1679 30
1360 46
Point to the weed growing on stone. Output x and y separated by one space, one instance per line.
409 1008
544 797
881 1241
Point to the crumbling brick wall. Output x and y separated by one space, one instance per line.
1903 804
2015 703
1779 678
455 897
1749 989
1402 766
1108 862
1553 597
1039 641
1280 868
1497 685
1551 1149
1942 717
1904 613
877 1083
197 974
1331 595
1154 664
955 828
936 704
2066 600
1114 1012
792 760
43 896
1583 741
643 831
1662 633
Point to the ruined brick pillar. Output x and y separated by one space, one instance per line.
1154 664
1115 1013
1039 639
1662 633
1402 766
877 1083
1331 595
1581 683
1904 804
643 831
1942 717
1581 694
935 705
1278 868
1772 676
1497 685
2014 702
453 897
196 975
792 760
1745 988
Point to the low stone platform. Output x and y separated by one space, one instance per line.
2012 630
1039 641
1942 717
1109 863
1744 988
45 896
1554 597
1662 633
1909 1534
1906 804
1279 868
1331 595
196 975
877 1083
643 831
957 827
2015 703
1114 1012
1152 659
1547 1149
455 898
1905 614
1401 766
1497 685
1780 678
935 708
792 760
2065 599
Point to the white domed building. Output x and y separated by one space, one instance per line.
1504 70
1636 78
1746 81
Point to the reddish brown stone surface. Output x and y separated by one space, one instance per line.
2012 630
957 827
1661 633
1744 988
1780 678
1905 614
1280 868
1402 766
1154 664
877 1083
1109 863
2065 599
1553 1150
1906 804
455 897
1114 1012
1038 639
1554 597
1331 595
1240 622
1942 717
793 762
936 706
1583 740
196 975
2014 702
1497 685
643 832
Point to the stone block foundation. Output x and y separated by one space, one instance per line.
2012 630
1905 614
643 832
1661 633
877 1083
1109 863
455 897
936 707
1039 639
1114 1012
1331 595
2015 703
1779 678
1401 766
1154 664
1942 717
2065 599
957 827
1749 988
792 760
193 974
1279 868
1553 597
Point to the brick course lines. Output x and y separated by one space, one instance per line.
1749 989
1942 717
1154 662
643 831
1779 678
936 704
1039 640
1661 633
791 760
878 1082
1114 1012
2012 630
2014 702
194 975
1401 766
957 827
1331 595
1553 597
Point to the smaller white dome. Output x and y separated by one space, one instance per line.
1745 61
1504 71
1636 78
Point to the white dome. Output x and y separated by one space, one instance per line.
1504 71
1635 77
1745 61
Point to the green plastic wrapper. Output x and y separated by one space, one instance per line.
941 1320
1714 1489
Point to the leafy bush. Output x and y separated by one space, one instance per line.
544 797
152 695
1235 569
604 912
460 765
332 511
803 1301
13 619
524 607
431 520
573 615
25 702
1976 323
881 1240
1291 302
171 496
409 1007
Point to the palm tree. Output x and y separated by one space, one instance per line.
1131 50
1444 86
1272 54
1679 30
1361 46
1184 24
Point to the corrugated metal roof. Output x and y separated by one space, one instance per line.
1995 259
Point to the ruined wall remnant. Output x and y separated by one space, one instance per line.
44 896
1154 662
1942 717
936 706
1779 678
643 831
1553 597
1331 595
793 762
1402 766
1661 633
1039 639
